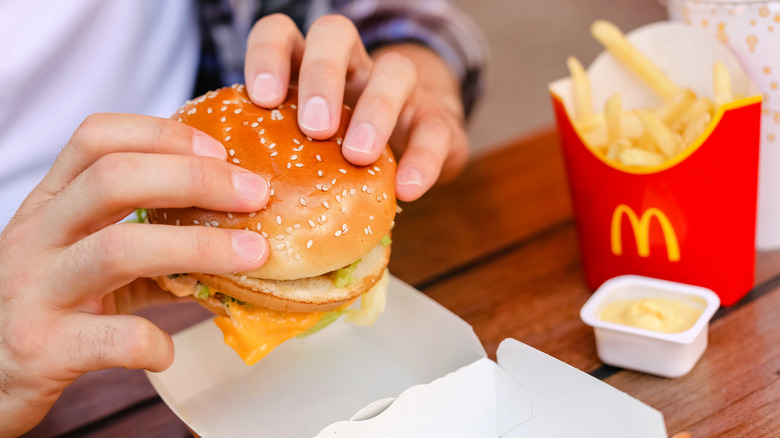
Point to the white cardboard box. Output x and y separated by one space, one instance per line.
418 353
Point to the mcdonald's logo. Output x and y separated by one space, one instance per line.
641 228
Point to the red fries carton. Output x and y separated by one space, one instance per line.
690 219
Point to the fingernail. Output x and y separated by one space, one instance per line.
361 139
249 245
316 115
251 186
409 176
265 88
205 146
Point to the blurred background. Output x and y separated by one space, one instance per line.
529 43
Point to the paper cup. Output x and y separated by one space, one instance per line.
751 29
691 219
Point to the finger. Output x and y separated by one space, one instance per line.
333 51
433 141
274 49
376 113
117 183
120 253
103 134
95 342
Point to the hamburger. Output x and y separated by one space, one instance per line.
327 224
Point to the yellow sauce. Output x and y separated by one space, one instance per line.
657 314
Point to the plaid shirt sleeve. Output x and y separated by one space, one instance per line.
434 23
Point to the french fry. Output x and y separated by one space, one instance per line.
640 157
583 105
594 130
694 112
696 128
672 109
722 84
664 138
616 43
616 148
613 114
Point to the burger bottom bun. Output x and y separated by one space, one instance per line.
301 295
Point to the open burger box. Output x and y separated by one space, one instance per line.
691 219
420 371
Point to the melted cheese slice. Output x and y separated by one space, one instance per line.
253 332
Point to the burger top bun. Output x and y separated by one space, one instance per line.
323 214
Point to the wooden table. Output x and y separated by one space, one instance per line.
498 248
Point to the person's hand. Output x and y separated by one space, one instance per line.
405 93
68 269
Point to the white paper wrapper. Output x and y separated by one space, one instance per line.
751 29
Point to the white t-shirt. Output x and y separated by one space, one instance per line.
61 61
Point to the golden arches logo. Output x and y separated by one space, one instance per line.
641 228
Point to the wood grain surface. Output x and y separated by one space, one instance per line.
498 247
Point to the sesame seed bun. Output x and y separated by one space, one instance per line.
323 214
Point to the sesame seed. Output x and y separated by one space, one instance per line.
295 140
262 140
297 256
289 165
339 140
390 160
227 102
274 153
236 160
244 123
208 110
319 173
214 223
228 128
344 193
294 157
344 227
344 210
264 234
260 119
262 131
311 223
338 233
232 152
324 218
370 231
302 201
272 145
297 226
196 222
224 108
353 191
227 138
325 203
318 157
293 106
178 222
179 119
342 171
279 237
338 199
333 181
279 220
289 251
255 125
165 215
280 246
384 195
365 187
223 119
365 231
238 111
371 172
298 149
272 192
192 111
298 164
288 230
243 278
309 244
253 214
309 138
371 218
377 169
259 226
